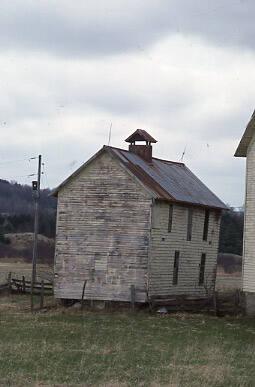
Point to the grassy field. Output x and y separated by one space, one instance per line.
69 347
18 269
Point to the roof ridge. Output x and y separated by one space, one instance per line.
154 158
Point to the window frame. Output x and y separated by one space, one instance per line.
201 279
170 217
206 225
189 224
176 267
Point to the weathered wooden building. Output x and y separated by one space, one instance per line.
128 220
246 149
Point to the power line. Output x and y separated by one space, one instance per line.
17 161
8 162
17 177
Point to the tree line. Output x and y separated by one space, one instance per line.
17 210
17 215
231 233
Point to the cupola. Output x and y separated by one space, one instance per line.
142 150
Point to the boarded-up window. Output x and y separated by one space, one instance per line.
206 225
170 218
189 225
176 267
202 269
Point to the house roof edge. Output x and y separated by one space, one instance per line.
243 146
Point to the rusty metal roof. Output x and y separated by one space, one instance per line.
246 139
168 180
165 180
140 135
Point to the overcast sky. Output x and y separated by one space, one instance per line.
181 69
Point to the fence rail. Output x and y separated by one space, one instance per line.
21 285
24 286
4 287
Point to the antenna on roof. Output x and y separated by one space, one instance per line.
110 134
183 154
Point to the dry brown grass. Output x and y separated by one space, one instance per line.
68 347
18 269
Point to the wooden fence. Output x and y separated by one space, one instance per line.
4 287
220 303
21 285
24 286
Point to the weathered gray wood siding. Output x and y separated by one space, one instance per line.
164 244
103 226
249 224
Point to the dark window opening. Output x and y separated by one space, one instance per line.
176 267
189 226
202 270
206 225
170 218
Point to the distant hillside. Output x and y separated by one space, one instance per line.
17 209
20 248
17 199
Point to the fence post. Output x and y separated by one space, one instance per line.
132 294
215 304
83 294
23 284
42 295
10 282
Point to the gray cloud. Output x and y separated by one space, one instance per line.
98 27
69 69
87 28
226 22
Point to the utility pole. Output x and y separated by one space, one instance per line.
36 185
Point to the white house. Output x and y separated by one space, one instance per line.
246 149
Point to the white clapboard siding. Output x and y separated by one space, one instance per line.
164 244
111 233
249 227
103 228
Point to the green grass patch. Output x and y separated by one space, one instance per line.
72 348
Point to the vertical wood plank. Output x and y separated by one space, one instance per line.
9 282
42 295
132 296
23 284
83 294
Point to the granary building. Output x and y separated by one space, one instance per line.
129 223
246 149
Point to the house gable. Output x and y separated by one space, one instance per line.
103 228
87 166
